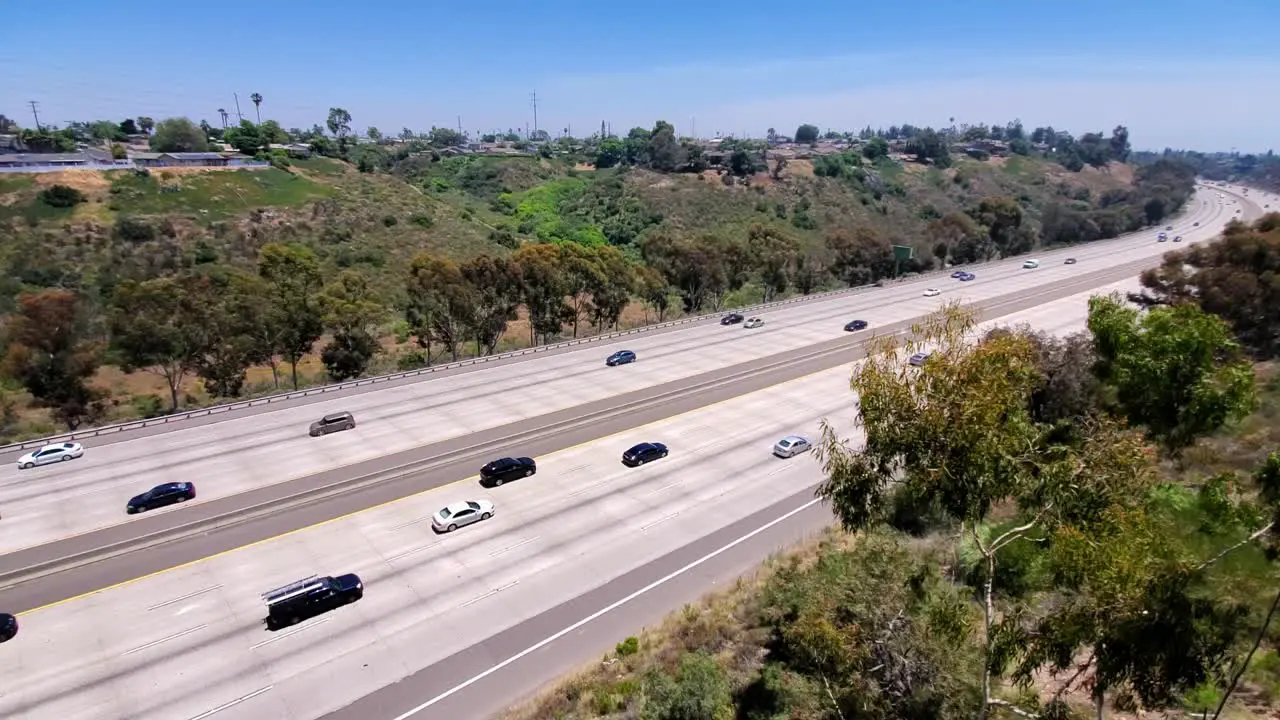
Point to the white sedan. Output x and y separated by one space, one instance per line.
754 322
58 452
792 445
452 517
932 292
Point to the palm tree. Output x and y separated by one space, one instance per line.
257 101
223 114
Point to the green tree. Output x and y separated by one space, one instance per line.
156 325
662 150
580 265
544 285
699 691
959 430
698 270
442 304
611 152
229 303
146 124
128 126
50 354
773 254
1002 216
292 274
350 312
807 134
654 290
964 240
876 148
497 285
611 287
929 145
339 122
374 134
860 257
443 137
178 135
271 132
257 106
246 137
1176 371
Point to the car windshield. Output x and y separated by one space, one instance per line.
473 504
784 443
446 513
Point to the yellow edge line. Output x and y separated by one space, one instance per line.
406 498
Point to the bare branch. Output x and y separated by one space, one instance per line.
834 704
1012 708
1088 662
1237 546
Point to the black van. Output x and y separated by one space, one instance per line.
302 599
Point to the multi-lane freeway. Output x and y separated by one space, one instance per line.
582 534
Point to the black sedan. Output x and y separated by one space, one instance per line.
8 627
855 325
160 496
731 319
622 357
506 469
643 453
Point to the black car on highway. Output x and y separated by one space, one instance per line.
8 627
160 496
507 469
302 599
643 453
855 325
622 357
731 319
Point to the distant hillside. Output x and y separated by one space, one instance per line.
1260 171
547 244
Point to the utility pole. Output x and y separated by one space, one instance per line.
34 114
693 128
239 117
460 125
603 134
533 101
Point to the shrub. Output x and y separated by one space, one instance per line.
134 229
389 220
630 646
421 220
61 196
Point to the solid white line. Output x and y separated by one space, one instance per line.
605 610
188 596
291 633
154 643
233 703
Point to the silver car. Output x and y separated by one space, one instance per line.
792 445
58 452
754 322
451 517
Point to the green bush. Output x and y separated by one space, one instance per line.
422 220
630 646
148 406
389 220
61 196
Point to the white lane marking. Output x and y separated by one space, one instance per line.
586 489
605 610
668 486
233 703
491 593
407 524
154 643
414 551
509 548
291 633
188 596
658 521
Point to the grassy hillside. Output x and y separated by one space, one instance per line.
136 226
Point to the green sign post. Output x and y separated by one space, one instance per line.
901 253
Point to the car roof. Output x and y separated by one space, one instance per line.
337 416
794 438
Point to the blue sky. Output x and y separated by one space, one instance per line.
1184 74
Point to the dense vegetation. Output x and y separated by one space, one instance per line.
1035 527
381 253
1259 171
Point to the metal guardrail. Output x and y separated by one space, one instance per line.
335 387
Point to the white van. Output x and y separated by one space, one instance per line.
1030 264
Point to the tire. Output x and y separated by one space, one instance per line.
181 498
65 458
497 482
664 453
350 426
528 473
485 516
27 466
639 463
314 433
451 528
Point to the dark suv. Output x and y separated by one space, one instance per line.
643 453
161 495
622 357
855 325
331 423
731 319
8 627
500 471
308 597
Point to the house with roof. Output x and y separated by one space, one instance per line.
55 160
190 159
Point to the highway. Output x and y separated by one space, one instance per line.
271 447
440 609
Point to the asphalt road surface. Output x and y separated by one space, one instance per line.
261 458
560 558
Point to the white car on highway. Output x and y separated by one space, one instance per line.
754 322
932 292
451 517
792 445
1031 264
58 452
